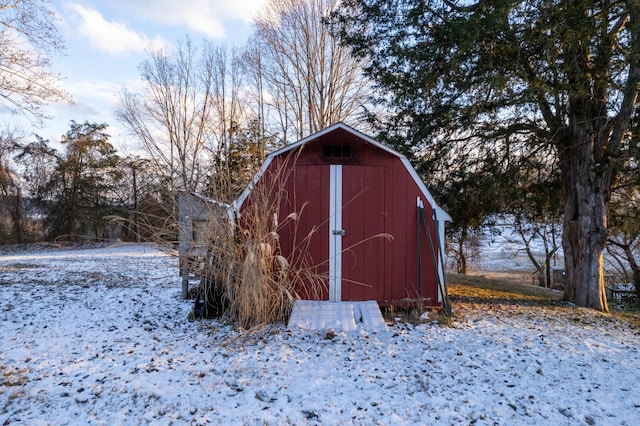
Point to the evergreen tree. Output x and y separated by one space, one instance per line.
560 73
81 188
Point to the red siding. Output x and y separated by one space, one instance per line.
364 246
379 197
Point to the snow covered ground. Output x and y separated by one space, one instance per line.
100 336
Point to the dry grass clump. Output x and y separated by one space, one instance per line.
267 283
11 376
236 255
246 278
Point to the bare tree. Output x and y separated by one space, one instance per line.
188 112
229 123
252 66
10 191
137 182
547 235
311 80
33 163
28 38
623 242
37 161
170 116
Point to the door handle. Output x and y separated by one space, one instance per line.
340 232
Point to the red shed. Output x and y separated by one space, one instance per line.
358 199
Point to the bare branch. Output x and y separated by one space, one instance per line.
28 37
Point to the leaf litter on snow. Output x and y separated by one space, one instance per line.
100 335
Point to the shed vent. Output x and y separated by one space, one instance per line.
337 151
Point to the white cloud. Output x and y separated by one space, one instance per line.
203 16
113 37
95 102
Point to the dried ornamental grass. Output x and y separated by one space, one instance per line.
268 283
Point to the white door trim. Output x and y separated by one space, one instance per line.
335 233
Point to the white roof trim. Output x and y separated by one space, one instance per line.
245 194
329 130
441 214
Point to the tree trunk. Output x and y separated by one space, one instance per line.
18 220
585 224
635 269
462 259
584 281
136 231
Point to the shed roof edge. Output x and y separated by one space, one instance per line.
441 214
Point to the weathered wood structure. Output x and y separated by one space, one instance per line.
200 222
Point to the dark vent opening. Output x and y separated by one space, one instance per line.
337 151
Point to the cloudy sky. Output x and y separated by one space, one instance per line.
106 41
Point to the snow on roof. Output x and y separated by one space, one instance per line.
206 199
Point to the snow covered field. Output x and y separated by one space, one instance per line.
100 336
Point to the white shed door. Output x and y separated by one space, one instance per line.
335 233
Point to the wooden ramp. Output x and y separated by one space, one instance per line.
339 316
